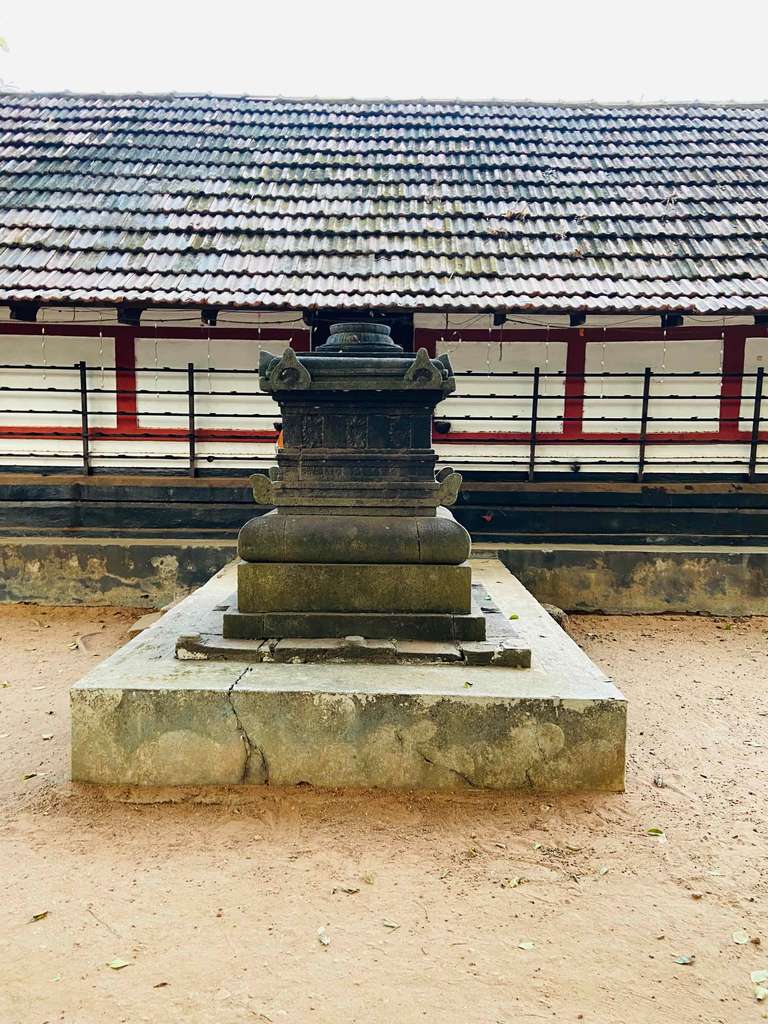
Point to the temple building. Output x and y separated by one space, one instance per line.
598 276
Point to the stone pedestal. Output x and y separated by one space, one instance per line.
359 541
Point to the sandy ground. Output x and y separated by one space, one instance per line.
425 900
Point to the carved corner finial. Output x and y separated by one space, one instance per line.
263 492
289 373
422 373
449 484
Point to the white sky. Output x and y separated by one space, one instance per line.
539 49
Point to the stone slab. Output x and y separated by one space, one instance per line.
142 718
375 625
502 652
349 587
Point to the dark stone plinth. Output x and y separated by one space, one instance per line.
352 587
375 625
380 539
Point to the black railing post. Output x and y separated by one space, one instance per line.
756 423
191 422
644 423
84 416
534 423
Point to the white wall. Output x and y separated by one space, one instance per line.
45 351
504 358
602 397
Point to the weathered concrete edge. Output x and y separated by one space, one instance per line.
133 572
153 572
641 580
141 718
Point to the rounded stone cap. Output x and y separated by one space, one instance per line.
426 540
360 338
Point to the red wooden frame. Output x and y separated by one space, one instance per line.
576 338
127 417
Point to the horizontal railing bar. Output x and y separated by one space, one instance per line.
480 397
550 374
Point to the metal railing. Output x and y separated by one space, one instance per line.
537 427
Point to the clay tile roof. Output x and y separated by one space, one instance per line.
422 205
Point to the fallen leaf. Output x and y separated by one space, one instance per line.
655 831
740 937
29 775
514 615
4 683
468 684
348 889
512 883
47 735
758 977
760 993
526 945
41 916
687 958
537 846
160 984
603 870
118 964
696 895
390 924
323 937
369 879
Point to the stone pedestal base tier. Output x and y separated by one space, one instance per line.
374 625
348 587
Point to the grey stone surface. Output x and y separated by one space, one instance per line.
144 718
478 653
334 649
347 587
425 650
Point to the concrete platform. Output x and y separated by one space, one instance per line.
144 718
